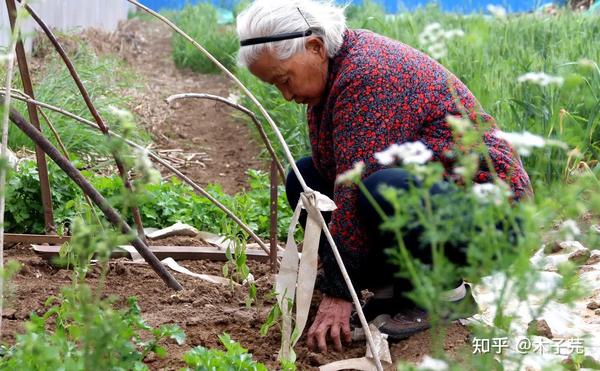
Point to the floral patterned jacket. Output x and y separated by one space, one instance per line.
380 92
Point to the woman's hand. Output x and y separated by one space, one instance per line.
333 317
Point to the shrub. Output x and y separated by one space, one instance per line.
235 357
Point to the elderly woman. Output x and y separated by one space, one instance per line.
364 93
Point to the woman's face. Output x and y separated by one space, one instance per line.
301 78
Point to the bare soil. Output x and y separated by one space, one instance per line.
203 310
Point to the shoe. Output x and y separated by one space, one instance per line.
414 320
405 324
463 308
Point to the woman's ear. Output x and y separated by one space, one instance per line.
315 46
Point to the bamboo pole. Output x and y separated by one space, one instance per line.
65 153
4 150
42 166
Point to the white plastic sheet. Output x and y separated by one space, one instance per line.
565 321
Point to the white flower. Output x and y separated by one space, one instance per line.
490 193
497 11
541 79
125 118
432 364
407 153
433 39
449 35
120 113
437 50
432 33
569 230
386 157
522 142
351 175
144 166
525 142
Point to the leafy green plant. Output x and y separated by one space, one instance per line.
171 201
81 332
235 357
161 204
24 212
200 22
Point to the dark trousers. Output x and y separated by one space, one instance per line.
378 271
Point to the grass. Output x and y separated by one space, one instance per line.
200 22
105 78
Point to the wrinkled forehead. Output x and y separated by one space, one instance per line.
267 67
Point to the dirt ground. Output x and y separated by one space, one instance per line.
203 310
224 150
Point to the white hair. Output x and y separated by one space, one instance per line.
270 17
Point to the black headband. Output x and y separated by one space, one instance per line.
281 36
278 37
